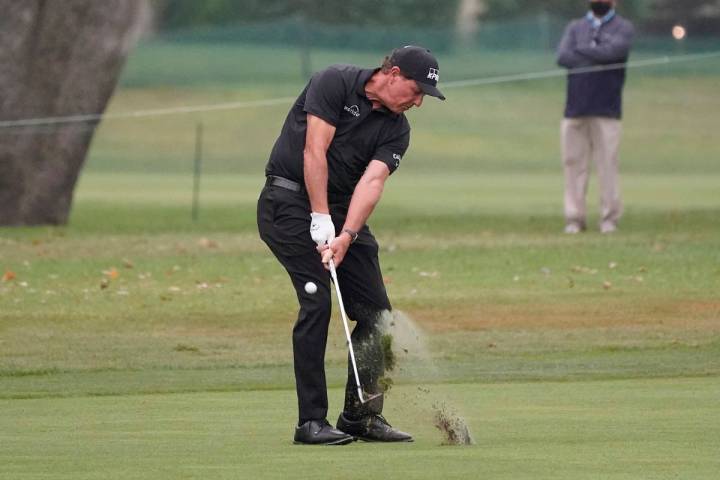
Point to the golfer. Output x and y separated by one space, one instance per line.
343 137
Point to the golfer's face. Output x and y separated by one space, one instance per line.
403 94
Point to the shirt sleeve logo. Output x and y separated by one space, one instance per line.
434 74
397 158
353 110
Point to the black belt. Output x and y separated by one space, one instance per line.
284 183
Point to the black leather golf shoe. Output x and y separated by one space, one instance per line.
320 432
372 428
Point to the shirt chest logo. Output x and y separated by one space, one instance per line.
353 110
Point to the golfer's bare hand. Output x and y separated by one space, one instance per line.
336 250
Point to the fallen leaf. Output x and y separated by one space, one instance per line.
112 273
9 276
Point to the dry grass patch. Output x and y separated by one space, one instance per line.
704 315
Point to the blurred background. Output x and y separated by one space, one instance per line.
204 93
227 54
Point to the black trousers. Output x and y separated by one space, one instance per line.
283 218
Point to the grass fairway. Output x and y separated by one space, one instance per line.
155 347
654 429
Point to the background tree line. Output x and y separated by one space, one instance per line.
701 16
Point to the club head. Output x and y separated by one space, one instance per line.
367 397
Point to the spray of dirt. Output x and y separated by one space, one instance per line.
453 427
386 382
406 352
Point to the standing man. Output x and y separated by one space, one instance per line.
345 134
598 45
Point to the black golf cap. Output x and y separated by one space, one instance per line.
420 65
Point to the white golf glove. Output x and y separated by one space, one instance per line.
322 229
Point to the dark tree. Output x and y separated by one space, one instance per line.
58 58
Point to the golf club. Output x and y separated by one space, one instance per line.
364 397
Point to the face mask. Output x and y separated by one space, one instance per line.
600 9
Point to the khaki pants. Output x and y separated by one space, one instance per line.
583 139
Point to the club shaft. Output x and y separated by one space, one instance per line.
333 273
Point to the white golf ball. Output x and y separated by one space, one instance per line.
310 287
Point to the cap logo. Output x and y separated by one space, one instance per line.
434 74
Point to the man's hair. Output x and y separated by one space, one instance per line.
387 66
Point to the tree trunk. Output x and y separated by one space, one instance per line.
59 58
467 22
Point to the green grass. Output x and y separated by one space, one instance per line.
158 301
670 111
136 343
488 129
609 430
